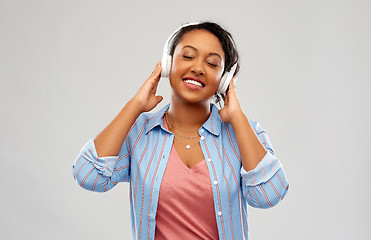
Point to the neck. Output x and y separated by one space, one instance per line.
188 116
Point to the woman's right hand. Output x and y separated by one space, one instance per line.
109 141
146 98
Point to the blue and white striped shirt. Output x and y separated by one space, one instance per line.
142 161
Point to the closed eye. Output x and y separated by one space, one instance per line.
187 57
212 64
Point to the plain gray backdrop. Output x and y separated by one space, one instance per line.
68 67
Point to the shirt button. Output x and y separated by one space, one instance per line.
219 213
209 159
202 130
215 182
202 138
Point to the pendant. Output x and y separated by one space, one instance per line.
187 146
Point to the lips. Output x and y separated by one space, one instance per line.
194 81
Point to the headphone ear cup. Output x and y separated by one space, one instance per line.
166 66
221 84
226 79
224 82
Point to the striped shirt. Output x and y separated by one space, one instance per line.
142 161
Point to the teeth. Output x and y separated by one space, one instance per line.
193 82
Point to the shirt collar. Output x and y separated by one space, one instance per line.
213 123
157 120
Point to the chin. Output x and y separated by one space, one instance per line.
193 99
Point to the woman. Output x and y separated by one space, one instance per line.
191 167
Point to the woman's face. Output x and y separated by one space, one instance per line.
197 66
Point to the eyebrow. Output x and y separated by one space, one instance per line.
210 54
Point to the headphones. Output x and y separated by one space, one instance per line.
167 60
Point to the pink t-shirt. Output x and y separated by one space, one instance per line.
185 207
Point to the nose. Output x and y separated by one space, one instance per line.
197 68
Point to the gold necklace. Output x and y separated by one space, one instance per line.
180 135
166 117
185 137
187 146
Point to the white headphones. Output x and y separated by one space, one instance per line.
167 60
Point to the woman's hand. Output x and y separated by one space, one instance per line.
110 140
146 98
251 148
232 105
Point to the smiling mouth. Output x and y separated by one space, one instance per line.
193 81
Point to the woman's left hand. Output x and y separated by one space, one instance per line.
231 104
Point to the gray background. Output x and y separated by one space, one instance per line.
67 68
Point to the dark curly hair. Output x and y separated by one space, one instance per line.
225 38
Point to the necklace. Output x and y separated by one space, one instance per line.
172 129
166 117
187 146
180 135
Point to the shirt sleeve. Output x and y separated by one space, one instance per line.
265 185
100 174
